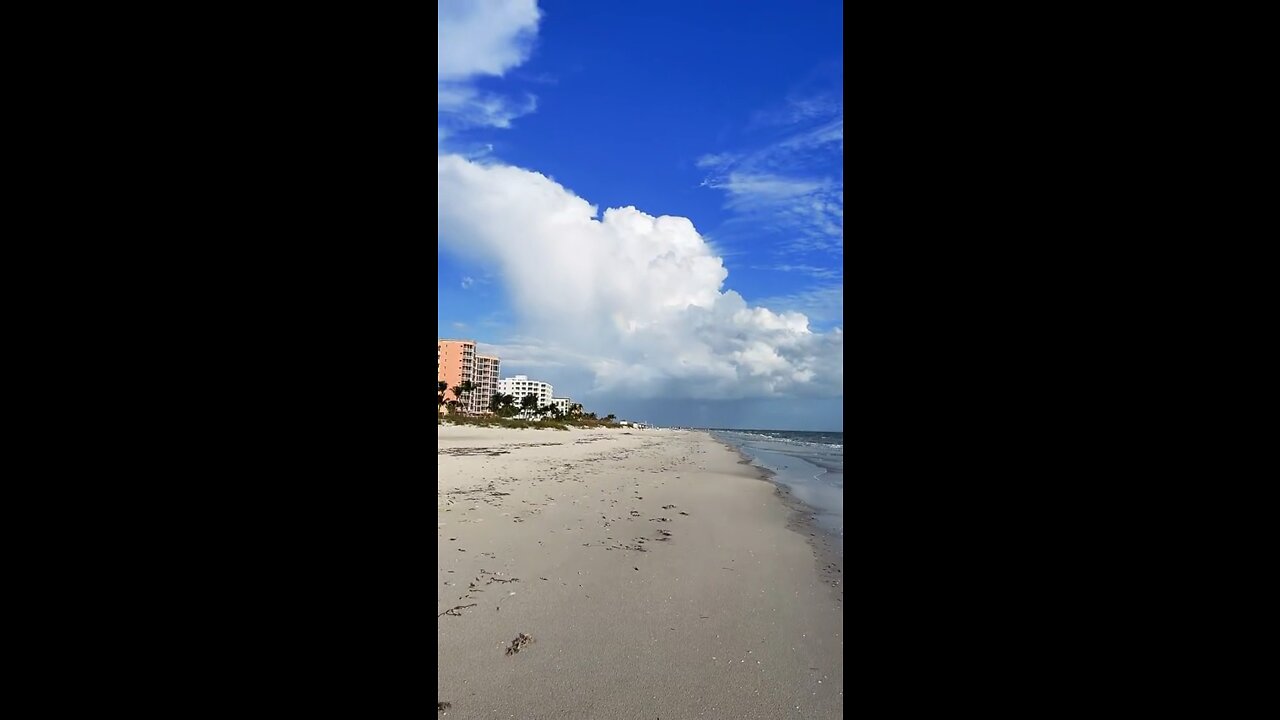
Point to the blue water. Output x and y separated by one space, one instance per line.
809 464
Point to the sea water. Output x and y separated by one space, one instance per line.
809 464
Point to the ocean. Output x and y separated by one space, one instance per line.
809 464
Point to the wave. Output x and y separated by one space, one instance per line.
782 439
811 469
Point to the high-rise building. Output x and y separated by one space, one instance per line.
456 363
486 381
520 385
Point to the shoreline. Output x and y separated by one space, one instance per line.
655 575
828 561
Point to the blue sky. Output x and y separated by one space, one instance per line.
713 294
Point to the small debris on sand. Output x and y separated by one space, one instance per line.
520 641
454 610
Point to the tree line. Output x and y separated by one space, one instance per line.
505 405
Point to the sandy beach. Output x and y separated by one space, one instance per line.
651 573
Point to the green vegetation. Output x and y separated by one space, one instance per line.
495 421
467 388
509 422
503 405
504 410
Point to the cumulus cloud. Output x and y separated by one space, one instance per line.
821 304
637 300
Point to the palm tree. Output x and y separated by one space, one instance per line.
441 387
529 403
502 404
467 388
610 417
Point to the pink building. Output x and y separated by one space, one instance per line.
457 362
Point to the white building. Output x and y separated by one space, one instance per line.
562 403
488 368
520 385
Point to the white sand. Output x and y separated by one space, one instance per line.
728 617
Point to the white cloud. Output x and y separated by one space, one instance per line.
817 271
635 302
799 110
717 161
815 139
532 353
821 304
467 282
781 188
753 189
639 301
807 212
483 37
466 106
477 38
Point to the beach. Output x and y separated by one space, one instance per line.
614 573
